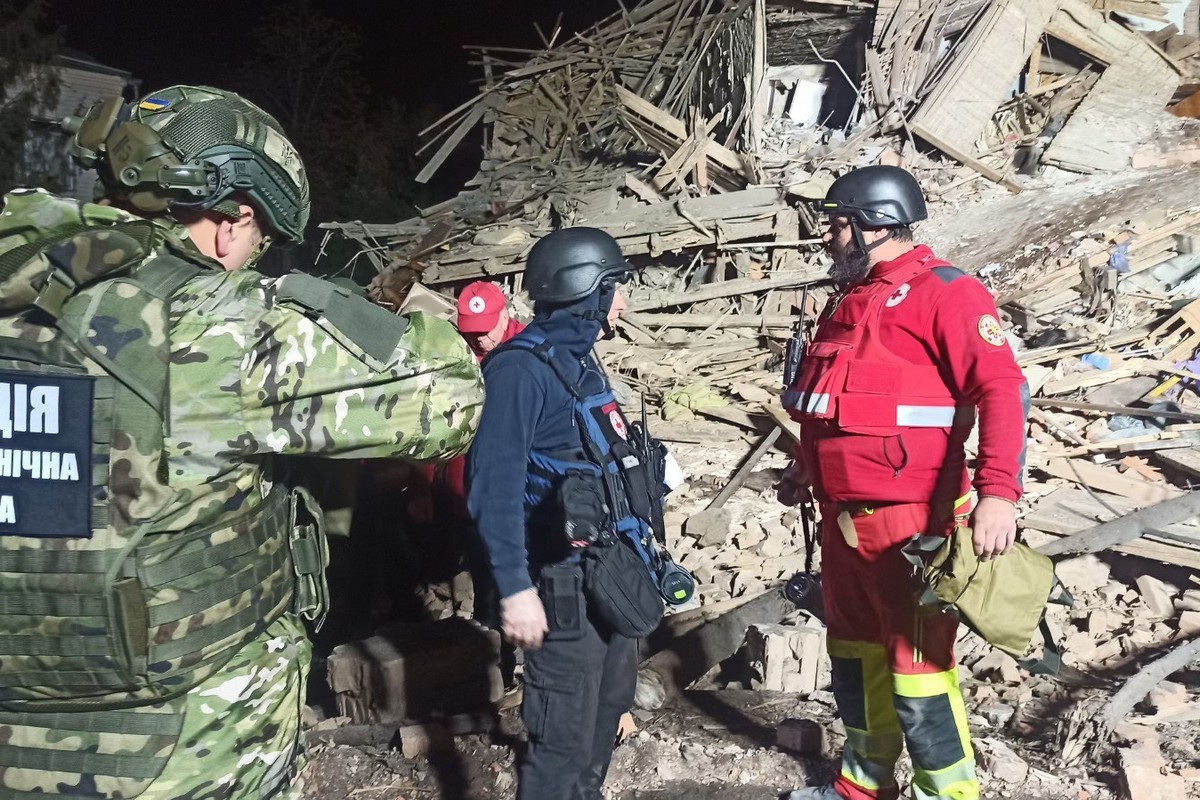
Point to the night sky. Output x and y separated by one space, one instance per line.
413 49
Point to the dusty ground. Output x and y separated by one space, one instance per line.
711 744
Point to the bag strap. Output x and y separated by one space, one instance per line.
161 277
1051 661
74 263
543 351
916 553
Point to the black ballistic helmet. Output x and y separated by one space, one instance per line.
877 197
571 263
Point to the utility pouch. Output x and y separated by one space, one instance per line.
310 557
1002 600
582 509
561 590
620 589
640 492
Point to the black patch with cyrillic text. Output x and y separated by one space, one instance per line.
45 454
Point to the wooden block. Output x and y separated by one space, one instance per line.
787 658
1143 770
802 736
1189 624
1157 596
1083 380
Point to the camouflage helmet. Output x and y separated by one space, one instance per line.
194 147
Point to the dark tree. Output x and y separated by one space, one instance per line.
28 85
359 150
304 69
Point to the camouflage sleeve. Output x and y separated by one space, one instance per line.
309 388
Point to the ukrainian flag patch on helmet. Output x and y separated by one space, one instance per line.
154 104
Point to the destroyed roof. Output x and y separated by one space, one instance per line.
646 126
636 123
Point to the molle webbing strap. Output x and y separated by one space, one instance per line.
80 762
12 260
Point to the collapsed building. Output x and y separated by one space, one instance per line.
698 132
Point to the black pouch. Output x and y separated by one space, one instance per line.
561 590
636 475
581 508
620 589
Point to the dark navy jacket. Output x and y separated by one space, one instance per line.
526 408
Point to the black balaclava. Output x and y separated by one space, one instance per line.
575 327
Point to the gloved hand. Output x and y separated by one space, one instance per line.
794 487
523 619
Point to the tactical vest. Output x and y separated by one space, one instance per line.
606 453
101 613
849 378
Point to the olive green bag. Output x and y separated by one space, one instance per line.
1003 600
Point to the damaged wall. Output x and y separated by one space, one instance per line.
1136 85
991 56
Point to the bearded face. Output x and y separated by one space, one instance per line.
850 262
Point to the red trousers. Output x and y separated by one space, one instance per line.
894 675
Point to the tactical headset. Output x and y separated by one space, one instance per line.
193 148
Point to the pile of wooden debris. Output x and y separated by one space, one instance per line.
697 132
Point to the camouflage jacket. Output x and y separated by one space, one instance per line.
252 371
252 376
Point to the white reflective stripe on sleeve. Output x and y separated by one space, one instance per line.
806 403
925 416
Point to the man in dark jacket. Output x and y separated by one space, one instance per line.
579 675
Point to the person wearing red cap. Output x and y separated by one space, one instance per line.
483 318
437 494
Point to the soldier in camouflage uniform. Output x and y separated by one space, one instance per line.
152 574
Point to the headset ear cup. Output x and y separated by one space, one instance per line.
88 144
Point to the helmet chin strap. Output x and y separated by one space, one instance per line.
608 291
861 242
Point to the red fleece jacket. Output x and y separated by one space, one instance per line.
949 320
453 477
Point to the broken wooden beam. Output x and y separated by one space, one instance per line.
744 470
452 141
712 291
1094 725
757 321
414 740
967 160
1104 408
668 672
1123 530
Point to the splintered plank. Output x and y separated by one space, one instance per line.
451 142
1184 459
1108 480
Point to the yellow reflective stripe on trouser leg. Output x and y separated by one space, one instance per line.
934 719
862 685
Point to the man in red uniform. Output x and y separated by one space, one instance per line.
903 358
485 323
